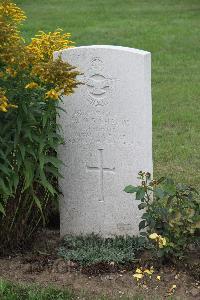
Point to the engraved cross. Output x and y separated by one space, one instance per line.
101 169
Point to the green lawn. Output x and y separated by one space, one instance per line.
11 291
170 29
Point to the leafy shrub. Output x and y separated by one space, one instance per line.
31 85
172 213
92 249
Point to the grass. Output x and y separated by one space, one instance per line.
167 28
11 291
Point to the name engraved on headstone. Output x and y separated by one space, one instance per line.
106 126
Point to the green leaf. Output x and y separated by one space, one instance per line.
38 203
170 189
54 171
41 161
22 150
31 152
53 160
142 206
41 147
15 180
46 184
5 170
145 216
4 187
44 119
2 210
140 193
142 224
19 125
28 174
159 193
131 189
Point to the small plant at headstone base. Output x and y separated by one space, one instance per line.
92 249
171 215
32 84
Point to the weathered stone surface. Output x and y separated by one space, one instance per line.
108 138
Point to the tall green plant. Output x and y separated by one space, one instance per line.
31 86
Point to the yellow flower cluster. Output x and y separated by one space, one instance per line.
140 273
10 39
55 77
57 73
11 72
12 11
4 104
44 44
52 94
161 241
31 85
10 45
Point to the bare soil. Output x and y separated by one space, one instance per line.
40 265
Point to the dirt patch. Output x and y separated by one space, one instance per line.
42 266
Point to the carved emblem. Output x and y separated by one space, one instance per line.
98 85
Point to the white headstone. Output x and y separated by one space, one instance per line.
108 139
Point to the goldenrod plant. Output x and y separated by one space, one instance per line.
31 86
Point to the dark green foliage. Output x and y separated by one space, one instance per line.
28 155
92 249
171 210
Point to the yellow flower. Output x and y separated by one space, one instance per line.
3 101
4 104
149 272
10 10
58 73
158 277
44 44
138 276
11 41
161 241
52 94
140 273
12 105
11 72
172 289
31 85
138 270
153 236
174 286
